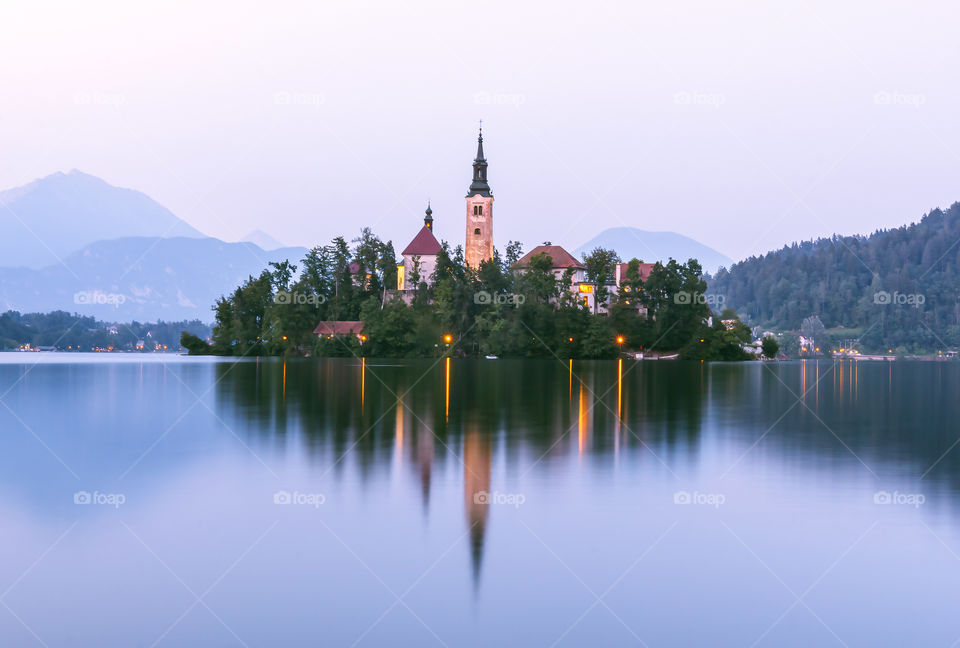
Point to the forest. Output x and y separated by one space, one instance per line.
490 310
70 332
895 289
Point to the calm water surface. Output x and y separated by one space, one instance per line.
480 503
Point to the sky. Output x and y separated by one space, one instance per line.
744 125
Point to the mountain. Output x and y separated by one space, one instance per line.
262 239
142 278
46 220
894 288
649 247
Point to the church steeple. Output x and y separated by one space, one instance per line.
479 184
428 219
478 245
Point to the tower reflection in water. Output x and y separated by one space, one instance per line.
417 420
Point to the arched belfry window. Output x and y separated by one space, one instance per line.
476 232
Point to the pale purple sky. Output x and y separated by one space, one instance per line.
745 125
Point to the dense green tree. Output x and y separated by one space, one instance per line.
897 286
769 346
601 269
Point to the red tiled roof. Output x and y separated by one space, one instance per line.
645 270
561 258
423 244
343 327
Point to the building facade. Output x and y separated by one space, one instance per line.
478 244
419 257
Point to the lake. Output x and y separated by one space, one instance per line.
168 501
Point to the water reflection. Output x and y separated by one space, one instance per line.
808 414
405 452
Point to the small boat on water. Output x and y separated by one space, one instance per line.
490 357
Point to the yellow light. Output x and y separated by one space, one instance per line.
448 338
401 277
284 337
569 339
585 288
363 338
619 339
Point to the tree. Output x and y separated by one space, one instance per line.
601 267
769 346
193 344
812 329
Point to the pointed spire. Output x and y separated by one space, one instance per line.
480 157
479 184
428 219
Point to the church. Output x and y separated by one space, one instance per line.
420 256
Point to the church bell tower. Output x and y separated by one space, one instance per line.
479 240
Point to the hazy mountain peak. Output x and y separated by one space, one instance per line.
262 239
47 219
653 246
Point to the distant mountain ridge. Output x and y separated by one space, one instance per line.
50 218
649 247
893 288
261 238
139 278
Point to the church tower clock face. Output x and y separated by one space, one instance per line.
478 245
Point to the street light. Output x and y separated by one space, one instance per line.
448 338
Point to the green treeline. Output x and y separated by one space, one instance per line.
898 288
490 310
71 332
